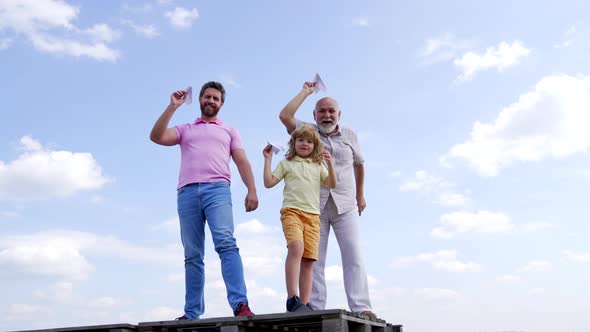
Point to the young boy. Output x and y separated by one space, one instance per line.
303 172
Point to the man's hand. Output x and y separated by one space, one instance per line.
361 204
177 98
251 202
309 87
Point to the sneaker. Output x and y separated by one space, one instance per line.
369 313
183 317
243 310
294 304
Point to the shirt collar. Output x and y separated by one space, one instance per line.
297 158
216 121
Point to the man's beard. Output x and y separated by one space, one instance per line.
327 127
209 111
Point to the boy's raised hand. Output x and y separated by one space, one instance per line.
327 156
267 151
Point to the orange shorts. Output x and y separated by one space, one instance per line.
302 226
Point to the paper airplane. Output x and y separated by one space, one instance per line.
319 84
188 95
276 148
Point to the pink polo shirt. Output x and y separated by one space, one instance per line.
205 151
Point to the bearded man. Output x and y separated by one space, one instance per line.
204 195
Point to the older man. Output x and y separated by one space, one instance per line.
339 206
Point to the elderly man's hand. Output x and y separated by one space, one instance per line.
361 204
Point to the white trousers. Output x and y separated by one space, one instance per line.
346 228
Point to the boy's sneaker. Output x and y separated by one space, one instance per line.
243 310
294 304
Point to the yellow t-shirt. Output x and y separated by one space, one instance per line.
303 179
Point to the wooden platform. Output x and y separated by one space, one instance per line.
320 320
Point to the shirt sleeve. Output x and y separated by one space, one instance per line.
180 129
299 123
236 139
280 171
357 155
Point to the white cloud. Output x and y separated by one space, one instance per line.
98 51
102 33
430 184
436 294
253 227
137 9
46 258
372 281
262 247
47 23
107 302
161 313
169 226
64 253
176 277
551 121
537 266
9 214
60 292
452 199
361 21
534 227
395 174
147 30
424 182
501 57
41 173
229 80
443 260
24 310
333 274
508 278
463 222
536 291
568 38
97 199
442 48
5 43
182 18
577 257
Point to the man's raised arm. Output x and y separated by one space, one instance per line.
161 134
287 115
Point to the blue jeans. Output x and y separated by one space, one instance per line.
208 202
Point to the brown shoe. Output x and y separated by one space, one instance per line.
369 313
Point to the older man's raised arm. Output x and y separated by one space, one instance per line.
287 115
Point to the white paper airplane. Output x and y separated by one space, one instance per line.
276 148
320 86
188 95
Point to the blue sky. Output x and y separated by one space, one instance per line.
472 116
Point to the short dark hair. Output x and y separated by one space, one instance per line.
214 85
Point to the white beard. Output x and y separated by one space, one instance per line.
327 128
